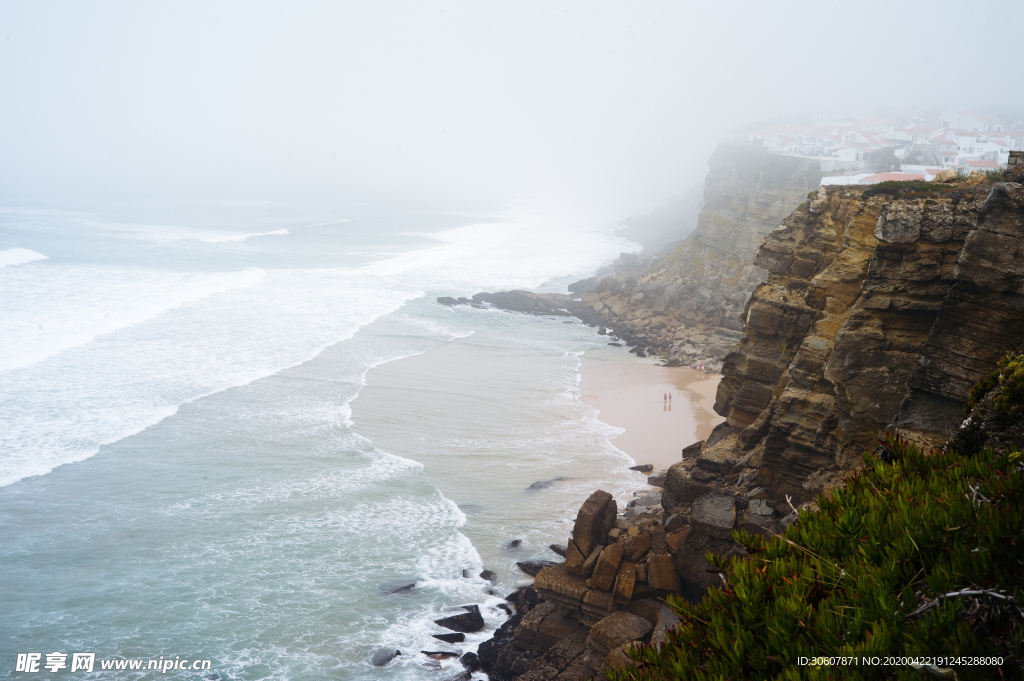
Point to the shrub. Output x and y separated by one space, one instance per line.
916 557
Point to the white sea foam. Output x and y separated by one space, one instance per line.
19 256
63 408
44 314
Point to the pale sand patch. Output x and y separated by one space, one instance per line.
629 393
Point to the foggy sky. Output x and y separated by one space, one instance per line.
613 104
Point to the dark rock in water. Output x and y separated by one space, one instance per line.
532 567
634 350
514 544
524 598
383 656
447 300
464 675
465 301
470 661
543 484
615 345
504 608
583 285
559 549
450 638
602 331
641 353
499 657
466 574
478 306
489 576
466 622
643 468
441 654
403 588
525 301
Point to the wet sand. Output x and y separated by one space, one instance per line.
628 392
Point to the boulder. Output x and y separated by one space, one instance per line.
440 654
514 544
593 521
617 629
383 656
714 515
447 300
450 638
643 468
947 175
607 567
489 576
470 661
662 576
524 598
532 567
468 622
680 487
560 550
635 547
591 562
625 579
556 580
574 559
975 178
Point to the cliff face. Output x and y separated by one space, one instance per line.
881 307
685 307
865 301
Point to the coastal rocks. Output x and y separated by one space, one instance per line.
450 638
593 521
532 567
643 468
980 318
466 622
526 302
383 656
835 333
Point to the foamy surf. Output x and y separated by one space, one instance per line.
19 256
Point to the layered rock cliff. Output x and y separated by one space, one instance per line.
882 307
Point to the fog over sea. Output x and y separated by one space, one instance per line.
190 464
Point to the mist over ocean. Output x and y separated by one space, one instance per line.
190 464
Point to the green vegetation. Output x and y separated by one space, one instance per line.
884 159
920 555
900 189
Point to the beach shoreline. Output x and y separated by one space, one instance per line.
629 393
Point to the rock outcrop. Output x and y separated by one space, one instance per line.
881 307
684 304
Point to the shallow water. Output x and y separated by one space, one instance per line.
229 434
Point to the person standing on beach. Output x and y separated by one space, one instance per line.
670 398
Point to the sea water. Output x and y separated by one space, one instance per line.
233 431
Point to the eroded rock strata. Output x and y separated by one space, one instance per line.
880 308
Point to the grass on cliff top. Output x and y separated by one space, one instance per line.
920 555
901 189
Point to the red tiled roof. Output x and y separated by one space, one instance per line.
983 164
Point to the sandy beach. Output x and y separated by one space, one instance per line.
629 393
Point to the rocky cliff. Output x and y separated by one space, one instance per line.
685 305
880 308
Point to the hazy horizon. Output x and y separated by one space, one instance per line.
608 106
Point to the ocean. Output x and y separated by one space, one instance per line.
230 431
